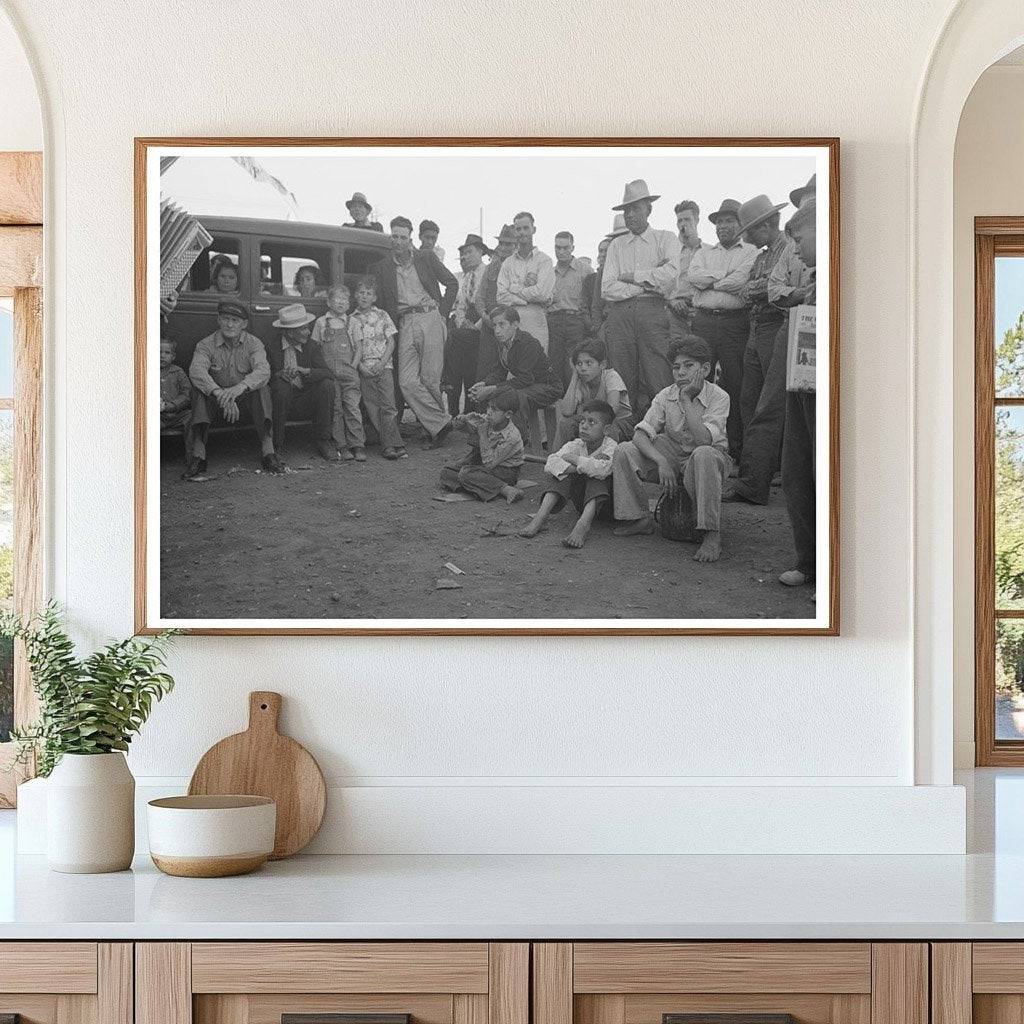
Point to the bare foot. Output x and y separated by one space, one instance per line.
513 494
532 528
636 527
577 537
710 547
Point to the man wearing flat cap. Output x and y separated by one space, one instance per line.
463 345
359 210
719 274
640 272
229 374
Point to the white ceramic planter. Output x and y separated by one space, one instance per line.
90 814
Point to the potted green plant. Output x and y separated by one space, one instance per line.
89 710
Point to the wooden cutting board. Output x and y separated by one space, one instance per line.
262 762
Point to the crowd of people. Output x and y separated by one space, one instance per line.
665 364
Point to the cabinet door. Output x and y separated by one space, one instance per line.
66 982
737 982
332 983
979 982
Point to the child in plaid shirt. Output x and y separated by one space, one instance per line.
374 332
342 355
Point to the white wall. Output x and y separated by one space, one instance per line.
447 713
21 125
988 181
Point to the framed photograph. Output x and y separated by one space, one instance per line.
487 386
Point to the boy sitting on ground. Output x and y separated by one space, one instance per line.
175 389
491 466
579 471
593 380
682 436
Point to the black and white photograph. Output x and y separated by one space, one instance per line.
465 386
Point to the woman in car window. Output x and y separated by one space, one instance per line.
224 275
308 284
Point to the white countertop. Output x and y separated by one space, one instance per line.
532 897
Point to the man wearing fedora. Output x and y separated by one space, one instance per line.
568 320
487 299
640 272
409 284
229 374
527 280
719 274
301 383
463 345
359 210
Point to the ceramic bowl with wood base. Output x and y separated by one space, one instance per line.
211 836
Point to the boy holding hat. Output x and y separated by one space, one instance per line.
229 374
640 272
302 384
359 209
719 274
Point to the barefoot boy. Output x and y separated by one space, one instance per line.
491 467
680 442
579 471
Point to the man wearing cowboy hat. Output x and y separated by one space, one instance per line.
527 280
568 318
640 272
719 273
302 384
763 396
229 374
463 344
359 207
487 300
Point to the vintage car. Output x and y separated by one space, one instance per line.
267 254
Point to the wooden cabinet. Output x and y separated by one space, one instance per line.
66 982
261 982
979 982
648 982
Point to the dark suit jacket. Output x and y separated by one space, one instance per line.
528 364
310 356
432 274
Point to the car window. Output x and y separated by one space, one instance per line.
359 261
297 269
217 269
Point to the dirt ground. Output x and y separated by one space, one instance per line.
369 541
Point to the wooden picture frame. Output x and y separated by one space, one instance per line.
21 277
993 237
825 621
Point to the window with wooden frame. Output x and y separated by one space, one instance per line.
21 367
999 490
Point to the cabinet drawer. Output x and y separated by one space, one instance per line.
262 982
340 967
48 967
634 967
734 982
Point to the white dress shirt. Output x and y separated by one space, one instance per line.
652 258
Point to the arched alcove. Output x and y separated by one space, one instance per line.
974 36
